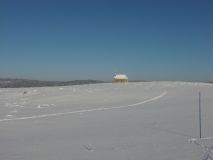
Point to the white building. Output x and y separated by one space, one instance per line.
120 78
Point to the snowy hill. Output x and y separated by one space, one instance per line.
134 121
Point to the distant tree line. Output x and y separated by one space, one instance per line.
18 83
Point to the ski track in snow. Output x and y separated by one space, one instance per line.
86 110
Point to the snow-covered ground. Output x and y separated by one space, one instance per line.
134 121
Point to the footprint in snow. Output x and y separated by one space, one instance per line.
88 147
45 105
9 116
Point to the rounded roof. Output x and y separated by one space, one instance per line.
120 76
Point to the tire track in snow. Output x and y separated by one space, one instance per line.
85 110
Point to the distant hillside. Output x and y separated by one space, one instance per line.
17 83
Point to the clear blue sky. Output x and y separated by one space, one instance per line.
87 39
